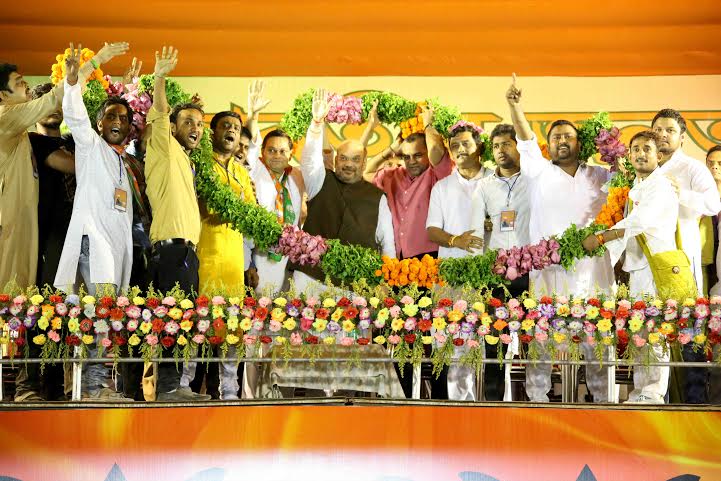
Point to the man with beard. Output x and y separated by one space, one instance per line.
176 225
408 186
562 192
220 249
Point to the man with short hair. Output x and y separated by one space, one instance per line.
561 192
241 154
175 230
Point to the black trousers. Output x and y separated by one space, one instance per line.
171 264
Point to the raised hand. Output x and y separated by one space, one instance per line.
256 98
111 50
427 116
72 64
321 106
513 94
133 71
165 61
373 119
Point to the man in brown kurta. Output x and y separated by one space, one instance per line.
18 175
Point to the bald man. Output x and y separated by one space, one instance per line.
344 206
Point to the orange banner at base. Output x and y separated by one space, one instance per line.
361 442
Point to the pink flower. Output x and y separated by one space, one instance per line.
505 338
346 341
562 300
440 338
460 305
472 343
379 323
169 301
541 336
638 340
405 300
274 326
54 336
150 339
715 300
218 301
394 339
249 340
513 303
311 302
122 301
306 324
264 301
395 311
410 324
684 338
296 339
106 342
483 330
359 301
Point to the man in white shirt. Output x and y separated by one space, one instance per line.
449 226
561 192
653 217
698 194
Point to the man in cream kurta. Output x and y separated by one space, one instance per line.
18 177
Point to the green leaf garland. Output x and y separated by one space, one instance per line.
173 91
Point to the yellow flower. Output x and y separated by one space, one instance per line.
528 324
329 340
133 340
479 306
280 340
88 300
186 325
374 301
577 302
277 314
666 328
337 314
246 324
383 314
592 312
39 339
328 302
610 304
607 341
486 320
410 310
139 301
530 303
348 326
234 301
43 323
657 303
73 325
289 324
56 323
559 337
280 301
232 339
688 302
88 339
604 325
145 327
654 337
439 323
175 313
232 323
492 340
699 338
37 299
184 304
379 339
635 324
218 312
563 310
427 339
320 325
455 316
182 340
424 302
397 324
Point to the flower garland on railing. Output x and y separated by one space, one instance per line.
404 323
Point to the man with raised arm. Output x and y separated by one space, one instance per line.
561 192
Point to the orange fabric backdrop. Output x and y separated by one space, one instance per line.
372 37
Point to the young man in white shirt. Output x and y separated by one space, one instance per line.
652 218
449 225
561 192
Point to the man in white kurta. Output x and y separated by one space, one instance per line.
562 191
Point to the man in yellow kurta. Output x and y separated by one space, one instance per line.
19 176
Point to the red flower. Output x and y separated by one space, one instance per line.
682 323
311 339
158 325
152 302
249 302
713 337
119 340
622 313
266 339
261 313
168 341
458 341
703 301
343 302
72 340
671 337
445 302
546 300
410 338
389 302
606 314
102 312
322 313
106 301
363 341
202 301
4 298
576 339
296 303
54 299
622 336
639 305
494 302
219 324
86 325
594 302
350 313
526 338
425 325
20 341
116 314
215 340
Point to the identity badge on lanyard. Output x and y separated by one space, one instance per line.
120 198
508 217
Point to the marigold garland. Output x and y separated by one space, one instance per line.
612 211
58 68
423 272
